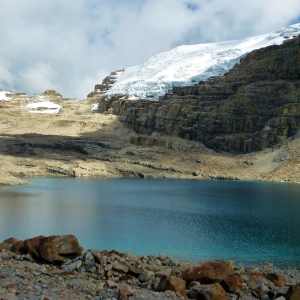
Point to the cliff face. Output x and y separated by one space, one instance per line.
256 105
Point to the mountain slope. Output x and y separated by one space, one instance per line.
255 106
187 65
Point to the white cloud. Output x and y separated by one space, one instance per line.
72 45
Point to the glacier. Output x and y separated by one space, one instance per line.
190 64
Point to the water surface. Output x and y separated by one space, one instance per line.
198 220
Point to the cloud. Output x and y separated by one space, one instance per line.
72 45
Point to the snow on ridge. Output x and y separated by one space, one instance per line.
189 64
46 107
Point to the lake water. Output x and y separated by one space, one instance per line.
250 222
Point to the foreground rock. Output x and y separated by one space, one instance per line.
95 274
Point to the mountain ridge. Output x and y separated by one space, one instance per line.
255 106
186 65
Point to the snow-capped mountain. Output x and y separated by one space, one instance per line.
187 65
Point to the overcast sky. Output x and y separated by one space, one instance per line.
71 45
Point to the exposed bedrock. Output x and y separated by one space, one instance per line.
255 106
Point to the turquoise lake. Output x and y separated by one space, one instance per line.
249 222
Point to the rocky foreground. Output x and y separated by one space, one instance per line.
56 267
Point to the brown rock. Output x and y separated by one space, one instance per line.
125 292
115 253
32 246
278 279
58 248
120 267
134 270
11 240
172 283
19 246
232 284
293 293
127 277
5 246
254 278
208 292
99 259
163 273
208 272
55 271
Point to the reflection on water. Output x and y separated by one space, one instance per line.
198 220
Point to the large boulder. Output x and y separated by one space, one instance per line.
208 292
232 283
18 247
32 246
293 293
57 248
11 241
171 283
53 249
208 272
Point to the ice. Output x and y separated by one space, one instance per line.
189 64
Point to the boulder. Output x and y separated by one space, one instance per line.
208 292
111 284
73 266
163 273
5 246
208 272
232 283
11 241
145 276
58 248
135 271
32 246
99 259
254 279
120 267
19 246
125 292
171 283
293 293
278 279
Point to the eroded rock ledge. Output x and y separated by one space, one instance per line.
255 106
56 267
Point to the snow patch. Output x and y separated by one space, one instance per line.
3 96
95 107
46 107
187 65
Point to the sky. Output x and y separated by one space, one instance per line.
70 46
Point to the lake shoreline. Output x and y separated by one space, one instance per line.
95 274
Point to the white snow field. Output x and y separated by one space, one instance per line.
3 95
187 65
46 107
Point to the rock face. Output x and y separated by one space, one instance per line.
107 83
256 105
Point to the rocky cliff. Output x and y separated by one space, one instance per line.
255 106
